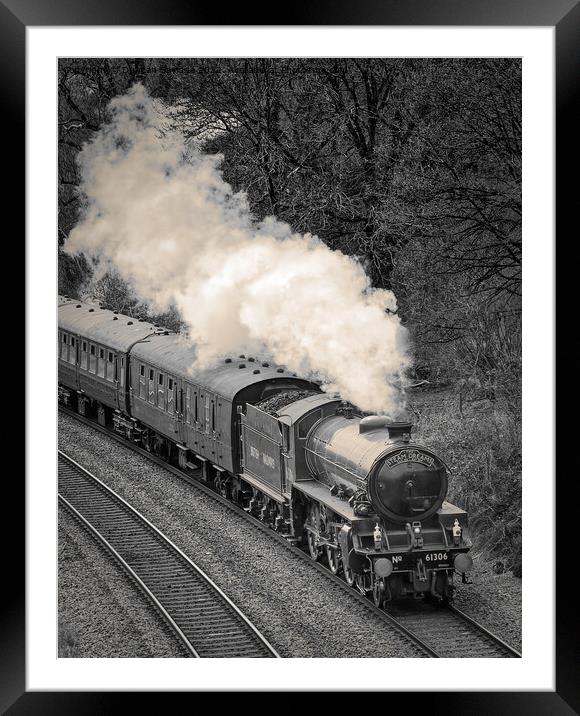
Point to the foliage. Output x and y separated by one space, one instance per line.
68 642
112 292
482 450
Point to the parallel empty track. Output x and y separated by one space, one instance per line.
207 623
450 632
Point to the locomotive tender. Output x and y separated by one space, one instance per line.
353 487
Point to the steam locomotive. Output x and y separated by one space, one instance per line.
351 488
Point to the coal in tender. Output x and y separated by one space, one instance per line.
275 403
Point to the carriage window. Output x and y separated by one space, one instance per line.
64 337
101 363
72 351
160 391
111 368
93 359
85 346
170 385
170 396
122 376
142 388
212 415
195 407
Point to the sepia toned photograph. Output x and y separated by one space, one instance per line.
289 357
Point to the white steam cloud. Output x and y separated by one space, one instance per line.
159 213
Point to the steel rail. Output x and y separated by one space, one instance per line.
133 576
509 650
197 606
450 632
420 642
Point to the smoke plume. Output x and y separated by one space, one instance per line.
159 212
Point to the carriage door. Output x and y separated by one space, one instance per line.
77 361
209 422
172 408
116 379
142 384
207 414
180 410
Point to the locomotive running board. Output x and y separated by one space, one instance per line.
321 493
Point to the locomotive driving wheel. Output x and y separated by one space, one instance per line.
379 592
313 548
349 575
333 558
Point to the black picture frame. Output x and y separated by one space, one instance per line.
564 16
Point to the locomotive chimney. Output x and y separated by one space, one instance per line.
345 408
400 430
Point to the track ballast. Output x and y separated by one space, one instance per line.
450 632
433 631
207 623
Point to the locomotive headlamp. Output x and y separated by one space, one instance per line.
456 531
383 567
378 536
463 563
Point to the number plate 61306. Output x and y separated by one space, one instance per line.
436 557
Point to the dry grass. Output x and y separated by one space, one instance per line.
482 448
68 644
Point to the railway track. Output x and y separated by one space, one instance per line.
450 632
204 620
426 641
